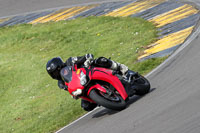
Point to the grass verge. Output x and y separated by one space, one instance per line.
30 100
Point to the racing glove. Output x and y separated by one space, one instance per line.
62 85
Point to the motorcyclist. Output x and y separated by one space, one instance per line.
55 65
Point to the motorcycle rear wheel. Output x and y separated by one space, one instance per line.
141 85
117 103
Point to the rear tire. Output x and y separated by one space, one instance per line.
114 105
141 85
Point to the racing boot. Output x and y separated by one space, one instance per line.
119 67
123 69
107 63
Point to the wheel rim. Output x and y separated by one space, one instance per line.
111 97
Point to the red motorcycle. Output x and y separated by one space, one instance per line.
103 86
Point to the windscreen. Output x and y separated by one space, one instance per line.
66 74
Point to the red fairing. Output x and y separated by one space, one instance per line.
66 83
75 83
106 75
97 86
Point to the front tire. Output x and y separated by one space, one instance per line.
96 96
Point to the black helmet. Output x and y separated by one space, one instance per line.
54 66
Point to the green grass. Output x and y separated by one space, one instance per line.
30 100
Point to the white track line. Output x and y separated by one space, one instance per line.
77 119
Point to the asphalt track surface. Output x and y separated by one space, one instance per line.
173 106
13 7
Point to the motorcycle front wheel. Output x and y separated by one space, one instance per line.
114 101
